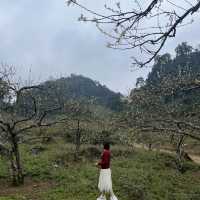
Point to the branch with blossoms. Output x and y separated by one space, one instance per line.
146 27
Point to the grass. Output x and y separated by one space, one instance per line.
137 175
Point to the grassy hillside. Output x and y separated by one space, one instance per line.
53 175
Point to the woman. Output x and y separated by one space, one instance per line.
105 180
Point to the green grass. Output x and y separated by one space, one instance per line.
3 168
137 175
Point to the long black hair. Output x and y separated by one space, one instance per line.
106 146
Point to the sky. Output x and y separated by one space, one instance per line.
43 39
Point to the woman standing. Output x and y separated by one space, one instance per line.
105 180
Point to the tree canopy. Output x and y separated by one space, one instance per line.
169 100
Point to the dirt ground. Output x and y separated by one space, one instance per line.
30 190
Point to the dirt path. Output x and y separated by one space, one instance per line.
195 158
30 190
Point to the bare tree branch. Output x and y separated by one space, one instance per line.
128 29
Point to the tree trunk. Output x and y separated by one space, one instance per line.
16 167
180 153
13 169
78 139
150 146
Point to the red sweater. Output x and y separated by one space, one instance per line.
105 159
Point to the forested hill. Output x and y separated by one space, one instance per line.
177 78
185 66
172 87
78 87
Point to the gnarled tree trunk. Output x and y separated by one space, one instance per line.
15 160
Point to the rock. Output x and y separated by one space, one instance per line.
37 150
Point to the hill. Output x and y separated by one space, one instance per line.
78 87
172 82
59 93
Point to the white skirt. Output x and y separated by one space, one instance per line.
105 184
105 181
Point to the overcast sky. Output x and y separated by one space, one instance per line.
45 36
